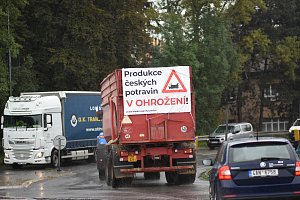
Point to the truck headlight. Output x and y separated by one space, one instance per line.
39 155
6 156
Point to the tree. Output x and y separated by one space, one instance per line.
85 40
269 45
201 40
10 12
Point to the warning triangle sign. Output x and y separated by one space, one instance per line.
178 86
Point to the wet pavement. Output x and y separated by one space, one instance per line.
80 181
17 178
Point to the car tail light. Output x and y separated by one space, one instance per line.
297 170
224 173
124 153
188 151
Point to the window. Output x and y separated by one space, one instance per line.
246 127
270 92
297 122
26 121
237 129
274 125
251 152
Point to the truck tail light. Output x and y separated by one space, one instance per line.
224 173
124 153
297 169
188 150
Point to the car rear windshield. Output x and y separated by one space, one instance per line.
259 151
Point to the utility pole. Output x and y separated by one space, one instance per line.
9 53
227 115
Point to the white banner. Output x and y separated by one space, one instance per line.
156 90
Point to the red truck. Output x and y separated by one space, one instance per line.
148 117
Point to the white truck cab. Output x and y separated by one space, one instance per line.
30 123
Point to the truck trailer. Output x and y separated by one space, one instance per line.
148 125
32 121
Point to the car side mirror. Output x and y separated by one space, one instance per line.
207 162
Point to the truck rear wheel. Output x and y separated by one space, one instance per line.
107 173
101 175
54 159
172 178
187 178
110 178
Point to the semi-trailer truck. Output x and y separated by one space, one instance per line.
148 125
32 121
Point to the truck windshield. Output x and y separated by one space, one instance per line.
25 121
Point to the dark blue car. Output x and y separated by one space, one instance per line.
255 168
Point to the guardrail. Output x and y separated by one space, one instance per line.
205 137
201 140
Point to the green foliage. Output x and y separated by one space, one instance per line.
85 40
212 55
24 74
241 11
288 54
10 12
268 44
4 89
220 72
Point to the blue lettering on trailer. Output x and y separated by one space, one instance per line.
82 125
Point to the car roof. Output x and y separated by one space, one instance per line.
256 140
233 124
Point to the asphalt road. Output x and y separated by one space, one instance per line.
79 180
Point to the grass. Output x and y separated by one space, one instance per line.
204 175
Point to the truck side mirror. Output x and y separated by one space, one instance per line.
2 121
48 121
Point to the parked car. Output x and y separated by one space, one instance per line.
235 131
296 125
255 168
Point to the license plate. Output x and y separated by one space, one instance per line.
263 172
132 158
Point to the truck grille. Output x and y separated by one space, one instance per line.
22 154
22 149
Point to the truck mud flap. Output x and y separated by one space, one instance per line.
118 171
159 169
